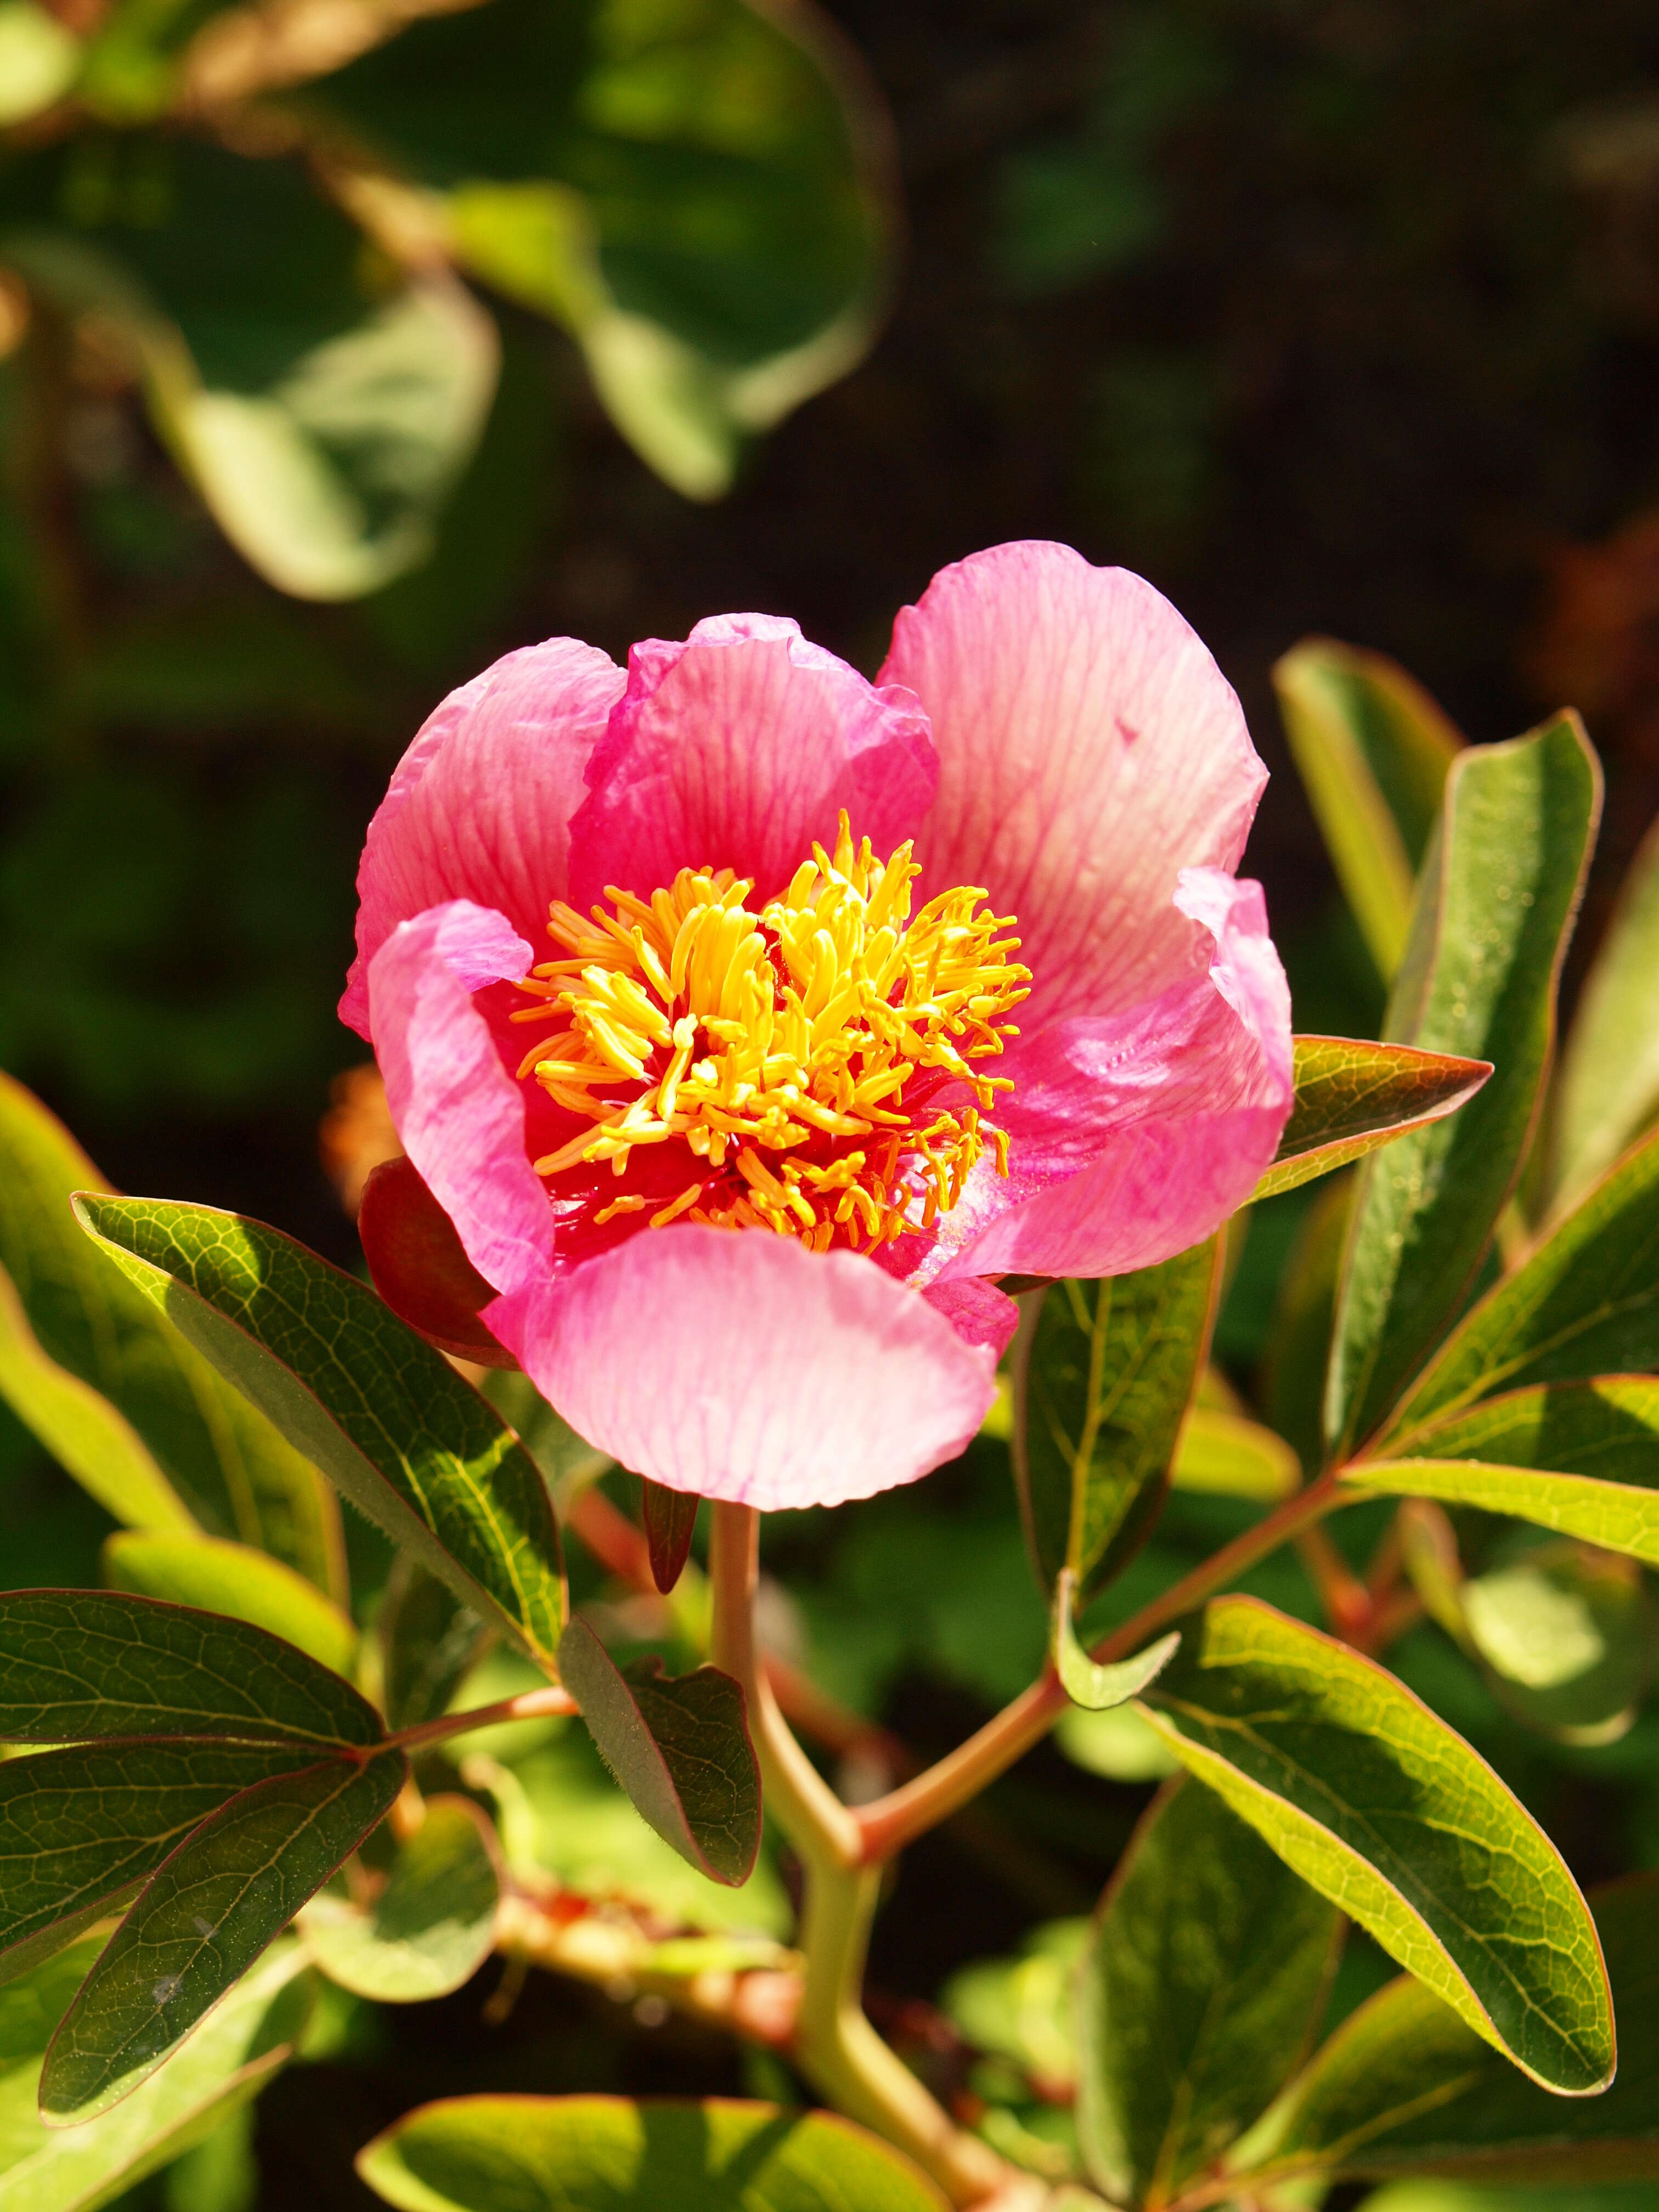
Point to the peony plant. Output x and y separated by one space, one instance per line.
794 1087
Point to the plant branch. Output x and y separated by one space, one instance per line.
528 1705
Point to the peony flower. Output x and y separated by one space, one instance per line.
743 1021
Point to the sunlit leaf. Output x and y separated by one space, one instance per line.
1087 1683
233 1578
1494 910
38 60
383 1415
1567 1635
1374 1801
617 2154
1351 1096
1226 1456
1205 1966
433 1925
1608 1090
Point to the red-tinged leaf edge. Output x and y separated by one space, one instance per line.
1343 1111
417 1264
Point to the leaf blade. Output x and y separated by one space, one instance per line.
434 1924
1352 1097
1610 1080
217 1576
1097 1688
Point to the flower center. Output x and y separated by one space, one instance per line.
815 1059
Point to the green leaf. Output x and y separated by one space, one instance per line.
246 2040
1404 2088
427 1640
113 1391
1086 1683
1373 752
383 1415
679 1747
1567 1635
38 60
1206 1964
433 1925
617 2154
231 1578
1494 910
82 1664
1583 1302
1373 1801
1224 1455
1609 1089
1103 1375
222 1898
1352 1097
81 1828
1021 2008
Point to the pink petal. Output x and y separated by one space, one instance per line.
1134 1136
977 1310
740 1365
459 1115
738 749
1089 749
479 807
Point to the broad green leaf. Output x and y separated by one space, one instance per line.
1206 1966
1495 907
1567 1635
669 1516
246 2040
614 2154
38 60
426 1641
232 1578
1104 1373
433 1925
1227 1455
1351 1096
1293 1370
1403 2086
115 1393
568 1462
1021 2008
679 1747
80 1664
1373 750
1583 1302
1097 1688
81 1828
203 1920
1375 1802
1608 1090
383 1415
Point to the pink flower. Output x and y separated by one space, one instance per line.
735 1146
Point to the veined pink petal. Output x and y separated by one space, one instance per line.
736 750
977 1310
479 807
1134 1136
1089 749
739 1365
458 1113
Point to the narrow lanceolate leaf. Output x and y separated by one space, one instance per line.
80 1664
203 1919
114 1392
1206 1966
1352 1097
383 1415
617 2154
431 1928
680 1746
1097 1688
1584 1302
669 1516
1373 750
1494 910
1581 1458
428 1639
1230 1456
233 1578
1105 1374
247 2039
1403 2087
1609 1087
1372 1799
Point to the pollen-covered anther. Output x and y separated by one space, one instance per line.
810 1058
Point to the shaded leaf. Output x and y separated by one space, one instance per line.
1299 1332
1608 1090
1021 2008
203 1920
114 1392
1494 910
679 1747
427 1641
1206 1964
620 2154
433 1925
1376 1803
232 1578
1567 1635
1403 2086
1225 1455
386 1418
1104 1373
1373 750
1097 1688
1351 1096
669 1516
246 2040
